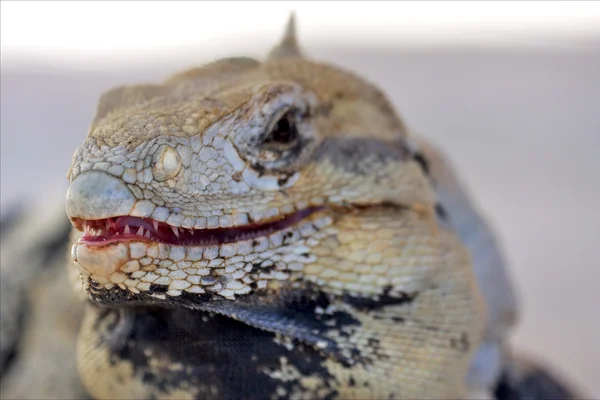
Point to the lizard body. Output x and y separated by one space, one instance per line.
271 229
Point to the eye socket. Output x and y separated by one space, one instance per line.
284 133
280 138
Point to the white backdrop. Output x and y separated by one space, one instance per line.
94 32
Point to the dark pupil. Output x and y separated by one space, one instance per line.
284 131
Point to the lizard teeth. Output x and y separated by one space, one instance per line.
135 227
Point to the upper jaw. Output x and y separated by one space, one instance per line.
97 195
103 207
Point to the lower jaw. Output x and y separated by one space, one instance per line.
110 264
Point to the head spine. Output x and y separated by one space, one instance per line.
288 47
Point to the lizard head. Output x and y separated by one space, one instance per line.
219 181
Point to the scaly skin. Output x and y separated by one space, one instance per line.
365 290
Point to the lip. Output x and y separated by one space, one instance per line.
101 232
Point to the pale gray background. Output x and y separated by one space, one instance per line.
522 125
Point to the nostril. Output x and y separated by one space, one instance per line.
98 195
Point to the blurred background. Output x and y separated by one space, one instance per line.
510 90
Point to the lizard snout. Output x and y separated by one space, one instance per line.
98 195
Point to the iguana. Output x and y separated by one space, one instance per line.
273 230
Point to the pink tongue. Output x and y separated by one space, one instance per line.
162 232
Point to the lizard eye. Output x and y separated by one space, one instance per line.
284 133
276 132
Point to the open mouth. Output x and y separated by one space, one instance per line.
128 228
